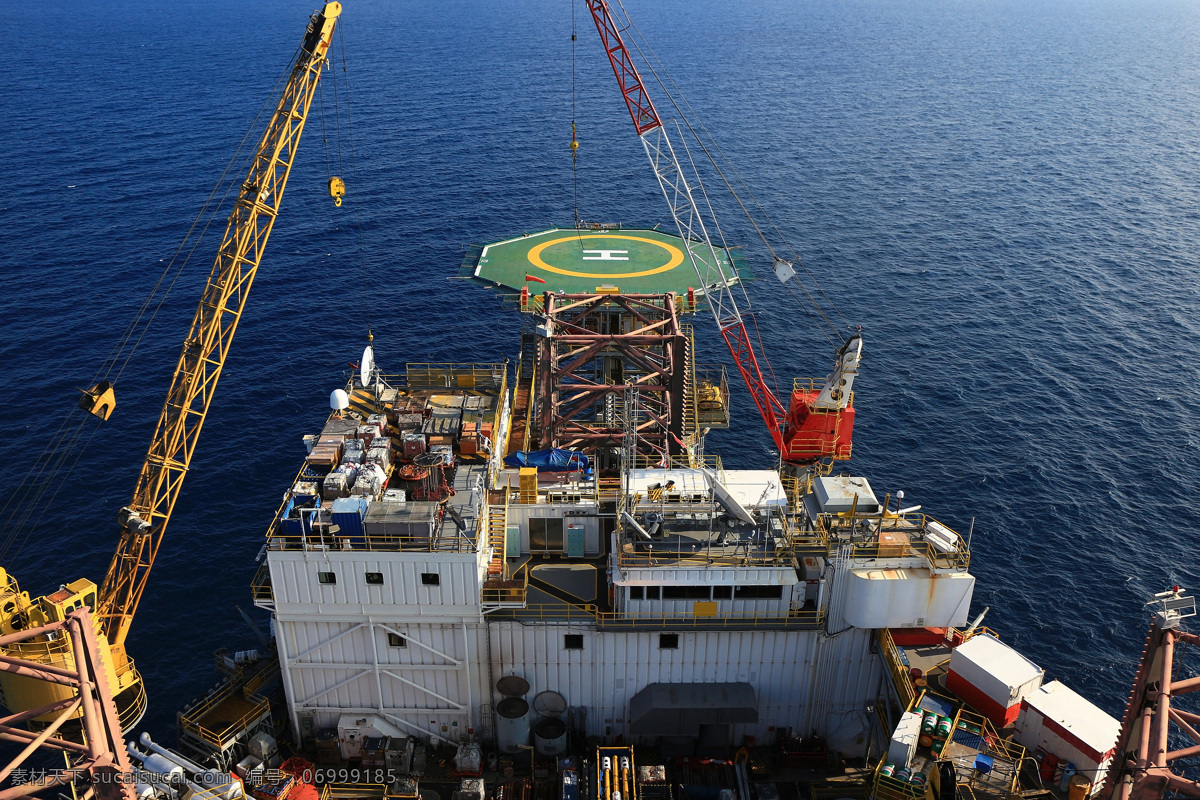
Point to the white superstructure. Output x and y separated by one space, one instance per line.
635 604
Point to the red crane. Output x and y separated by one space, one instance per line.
819 421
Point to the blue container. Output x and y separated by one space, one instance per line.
348 513
292 520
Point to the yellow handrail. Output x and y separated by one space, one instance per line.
888 788
190 720
644 559
900 675
590 613
514 590
260 584
643 461
529 404
434 375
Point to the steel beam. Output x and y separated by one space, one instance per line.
102 755
599 347
1142 770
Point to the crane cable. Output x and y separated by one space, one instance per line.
362 254
358 224
721 235
630 24
209 208
670 96
787 284
795 256
574 139
47 470
324 132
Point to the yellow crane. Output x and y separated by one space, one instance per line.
144 521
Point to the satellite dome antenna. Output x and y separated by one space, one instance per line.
339 401
368 362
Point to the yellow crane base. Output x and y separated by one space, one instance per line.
18 693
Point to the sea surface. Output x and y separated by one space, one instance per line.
1004 194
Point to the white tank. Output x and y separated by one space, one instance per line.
550 736
512 724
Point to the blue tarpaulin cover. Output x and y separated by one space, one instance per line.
553 460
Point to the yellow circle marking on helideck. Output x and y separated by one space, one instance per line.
535 257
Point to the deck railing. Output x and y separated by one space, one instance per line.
890 788
758 557
455 376
885 535
683 461
446 539
901 678
260 585
192 720
702 618
506 593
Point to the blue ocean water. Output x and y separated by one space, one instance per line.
1002 194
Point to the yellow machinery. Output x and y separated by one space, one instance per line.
145 519
708 396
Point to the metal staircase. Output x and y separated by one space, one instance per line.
691 429
521 434
497 528
500 589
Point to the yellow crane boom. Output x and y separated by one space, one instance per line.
145 519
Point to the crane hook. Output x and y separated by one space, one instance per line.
337 190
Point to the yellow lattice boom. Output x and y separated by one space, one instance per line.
144 521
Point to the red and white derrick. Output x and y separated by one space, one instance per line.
819 422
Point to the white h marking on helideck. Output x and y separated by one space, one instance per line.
605 255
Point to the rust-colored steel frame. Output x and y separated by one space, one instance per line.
1141 765
573 395
207 343
101 761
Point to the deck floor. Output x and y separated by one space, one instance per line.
229 711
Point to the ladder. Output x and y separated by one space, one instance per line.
690 426
497 528
520 437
